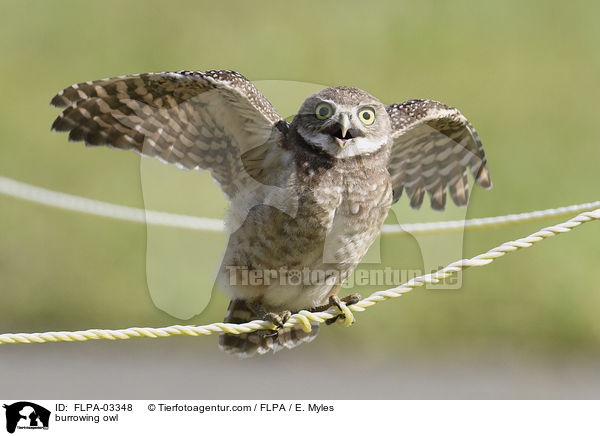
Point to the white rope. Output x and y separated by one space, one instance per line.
304 317
494 221
61 200
75 203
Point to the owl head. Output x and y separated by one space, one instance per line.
343 122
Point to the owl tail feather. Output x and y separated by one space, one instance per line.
262 341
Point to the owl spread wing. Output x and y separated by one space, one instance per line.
195 120
433 146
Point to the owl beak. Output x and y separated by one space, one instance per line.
344 124
342 130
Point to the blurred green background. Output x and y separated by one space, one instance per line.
524 72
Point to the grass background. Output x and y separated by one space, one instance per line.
525 73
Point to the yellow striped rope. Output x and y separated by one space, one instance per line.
304 317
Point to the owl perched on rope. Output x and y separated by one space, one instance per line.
308 197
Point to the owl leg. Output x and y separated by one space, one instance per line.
279 319
336 301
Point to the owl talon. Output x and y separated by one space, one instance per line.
336 301
278 319
352 299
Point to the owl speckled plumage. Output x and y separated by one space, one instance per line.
307 196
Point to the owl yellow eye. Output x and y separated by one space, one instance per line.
323 111
367 116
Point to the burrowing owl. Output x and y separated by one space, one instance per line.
307 198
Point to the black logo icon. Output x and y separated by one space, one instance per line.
24 414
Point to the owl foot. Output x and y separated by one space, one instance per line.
279 319
336 301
